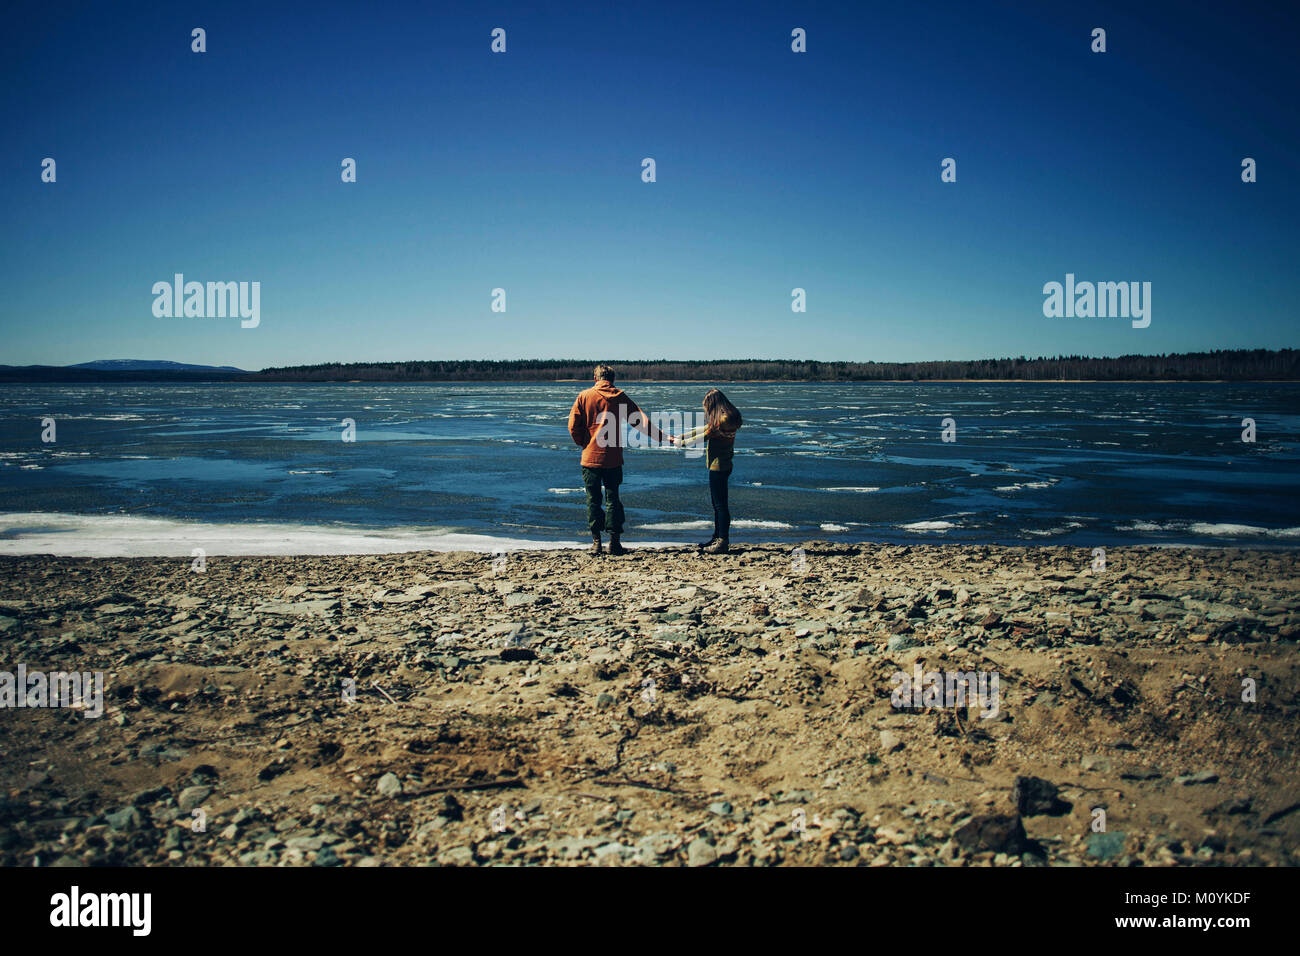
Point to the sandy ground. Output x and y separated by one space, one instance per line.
662 708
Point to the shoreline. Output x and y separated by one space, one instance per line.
114 536
664 708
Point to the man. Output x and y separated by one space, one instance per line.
596 426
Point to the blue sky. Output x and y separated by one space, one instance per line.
522 171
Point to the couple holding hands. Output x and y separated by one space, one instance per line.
602 455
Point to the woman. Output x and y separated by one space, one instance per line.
719 436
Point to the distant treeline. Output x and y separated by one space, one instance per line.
1235 365
1240 365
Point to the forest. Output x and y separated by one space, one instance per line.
1239 365
1234 365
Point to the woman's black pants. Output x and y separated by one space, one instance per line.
718 494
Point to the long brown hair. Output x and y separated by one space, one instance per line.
724 418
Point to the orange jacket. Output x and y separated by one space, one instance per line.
595 424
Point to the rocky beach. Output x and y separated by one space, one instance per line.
662 708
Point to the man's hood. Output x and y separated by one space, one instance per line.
607 390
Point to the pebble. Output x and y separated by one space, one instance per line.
126 819
1106 846
191 798
389 786
701 852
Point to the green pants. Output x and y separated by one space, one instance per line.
610 478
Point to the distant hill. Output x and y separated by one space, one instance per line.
121 370
151 365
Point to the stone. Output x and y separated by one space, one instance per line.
315 608
146 797
1106 846
701 852
389 786
890 741
124 820
451 808
457 856
609 851
1035 796
995 832
574 847
191 798
327 857
393 596
1141 773
428 831
660 844
305 842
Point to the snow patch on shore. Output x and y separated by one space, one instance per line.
132 536
1212 530
928 526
